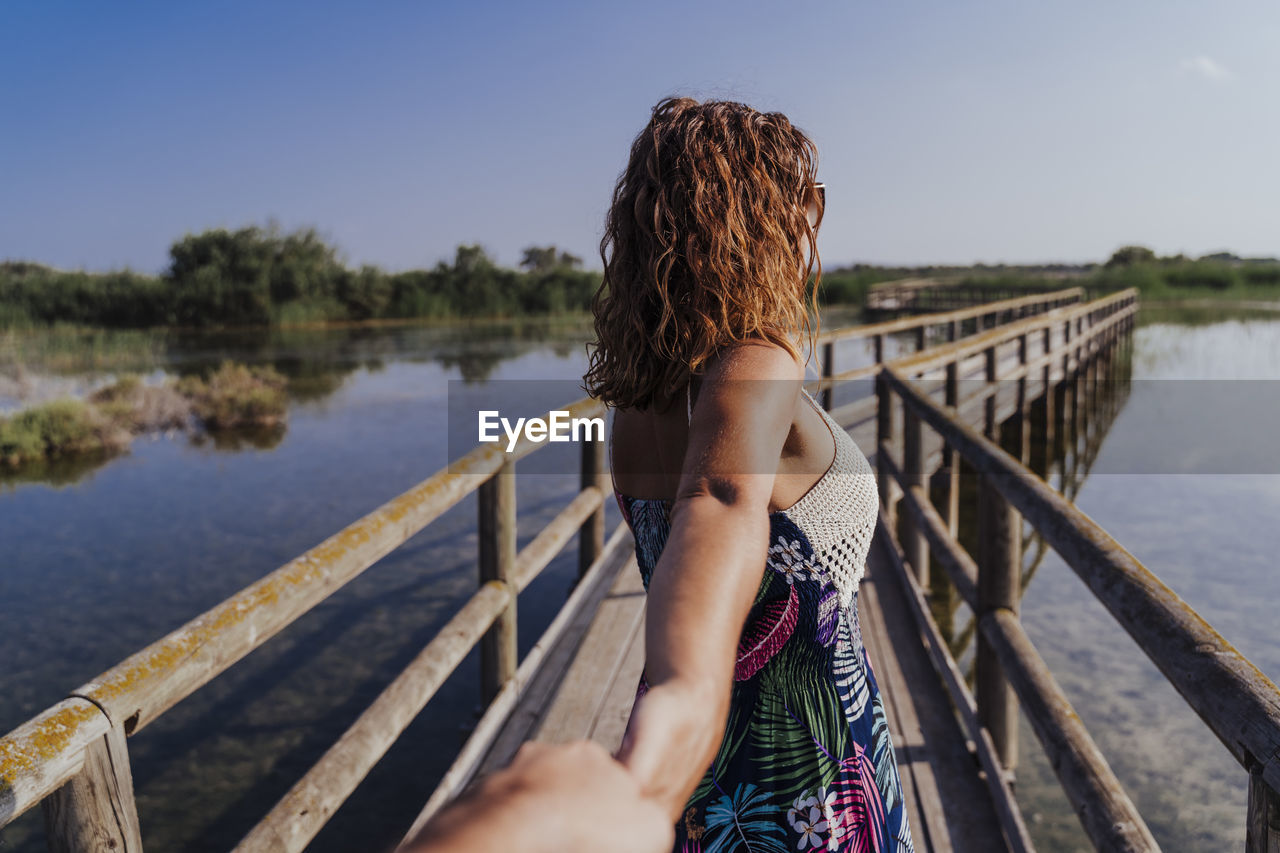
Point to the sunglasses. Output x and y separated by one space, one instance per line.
817 209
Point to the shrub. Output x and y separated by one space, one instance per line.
55 429
235 395
1201 274
1265 275
142 408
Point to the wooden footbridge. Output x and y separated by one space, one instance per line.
979 381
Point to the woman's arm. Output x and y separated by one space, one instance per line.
710 570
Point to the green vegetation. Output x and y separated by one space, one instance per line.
59 428
259 276
231 398
263 277
236 396
1220 275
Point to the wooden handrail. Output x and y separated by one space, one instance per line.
73 756
1111 819
1240 705
937 318
1234 699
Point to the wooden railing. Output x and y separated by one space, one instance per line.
1234 699
73 759
934 295
952 324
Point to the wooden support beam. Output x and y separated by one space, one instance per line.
1263 828
915 547
999 576
497 532
595 475
95 811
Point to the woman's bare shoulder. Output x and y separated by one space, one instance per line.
754 359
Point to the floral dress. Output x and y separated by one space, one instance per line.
806 762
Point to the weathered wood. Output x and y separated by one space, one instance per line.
1236 700
1263 821
1023 403
595 475
936 358
1041 301
577 705
960 567
997 781
914 544
1108 816
497 532
999 574
618 556
309 804
538 691
136 691
922 801
542 549
884 439
43 753
95 810
615 710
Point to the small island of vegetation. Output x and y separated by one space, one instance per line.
232 397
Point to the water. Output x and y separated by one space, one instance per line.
99 559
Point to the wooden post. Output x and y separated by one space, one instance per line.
921 337
1066 350
951 457
953 331
497 530
999 578
828 370
591 534
1078 403
915 547
884 441
879 348
990 427
1024 405
1049 395
96 811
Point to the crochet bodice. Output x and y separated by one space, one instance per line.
837 515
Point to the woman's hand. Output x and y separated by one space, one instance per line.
711 567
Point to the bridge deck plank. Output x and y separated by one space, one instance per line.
589 691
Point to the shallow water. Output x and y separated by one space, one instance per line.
119 552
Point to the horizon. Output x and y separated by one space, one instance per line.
996 134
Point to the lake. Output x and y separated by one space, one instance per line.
98 559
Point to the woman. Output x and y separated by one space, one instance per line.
757 725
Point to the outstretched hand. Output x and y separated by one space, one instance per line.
551 798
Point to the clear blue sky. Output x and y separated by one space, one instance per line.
948 132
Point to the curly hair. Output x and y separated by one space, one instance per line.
705 245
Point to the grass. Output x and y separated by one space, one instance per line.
236 395
58 428
234 398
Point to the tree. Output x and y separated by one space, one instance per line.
1127 256
544 259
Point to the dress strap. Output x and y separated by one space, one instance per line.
688 402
